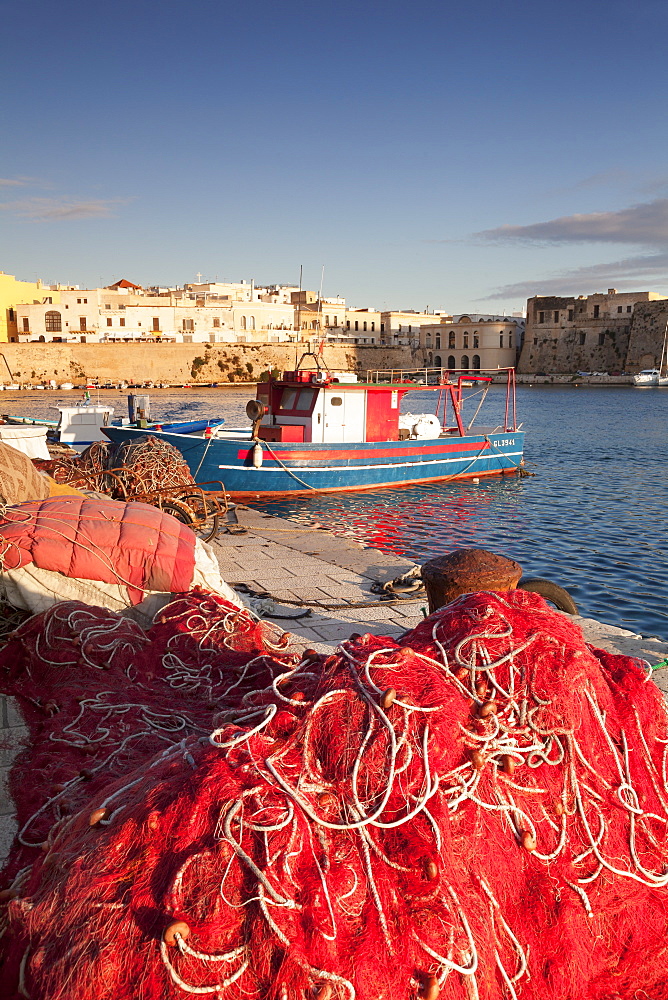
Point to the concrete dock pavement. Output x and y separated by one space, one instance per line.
310 571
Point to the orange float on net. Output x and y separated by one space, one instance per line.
177 928
430 988
387 698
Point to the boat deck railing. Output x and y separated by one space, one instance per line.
430 376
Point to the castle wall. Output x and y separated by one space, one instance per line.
647 336
572 334
589 333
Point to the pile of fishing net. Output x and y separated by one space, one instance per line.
141 465
101 695
476 811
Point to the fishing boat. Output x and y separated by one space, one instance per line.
316 431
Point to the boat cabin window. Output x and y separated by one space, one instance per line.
336 401
288 399
297 399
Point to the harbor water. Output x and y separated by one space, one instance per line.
592 517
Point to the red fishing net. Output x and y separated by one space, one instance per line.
478 811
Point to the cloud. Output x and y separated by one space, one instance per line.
644 225
16 181
645 268
654 185
62 209
604 178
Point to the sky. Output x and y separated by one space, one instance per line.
446 155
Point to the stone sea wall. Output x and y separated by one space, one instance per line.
647 335
181 363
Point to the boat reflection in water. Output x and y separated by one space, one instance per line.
417 522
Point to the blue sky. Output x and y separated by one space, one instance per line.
453 155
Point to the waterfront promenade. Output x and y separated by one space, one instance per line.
327 580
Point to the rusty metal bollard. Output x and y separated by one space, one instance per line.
466 571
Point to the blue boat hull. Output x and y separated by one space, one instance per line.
297 468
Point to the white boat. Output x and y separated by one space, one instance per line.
655 376
66 386
80 426
649 376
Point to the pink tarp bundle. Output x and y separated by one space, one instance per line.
99 551
478 811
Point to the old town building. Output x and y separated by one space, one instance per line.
472 342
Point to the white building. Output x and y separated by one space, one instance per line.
403 327
125 313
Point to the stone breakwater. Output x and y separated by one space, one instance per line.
181 363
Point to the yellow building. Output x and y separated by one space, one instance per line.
13 293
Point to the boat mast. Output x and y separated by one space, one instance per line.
299 304
320 334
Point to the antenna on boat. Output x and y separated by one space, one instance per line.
299 304
320 334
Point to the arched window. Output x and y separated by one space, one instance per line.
465 362
364 326
243 323
466 340
437 361
451 362
54 323
476 340
451 339
251 322
476 362
501 340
